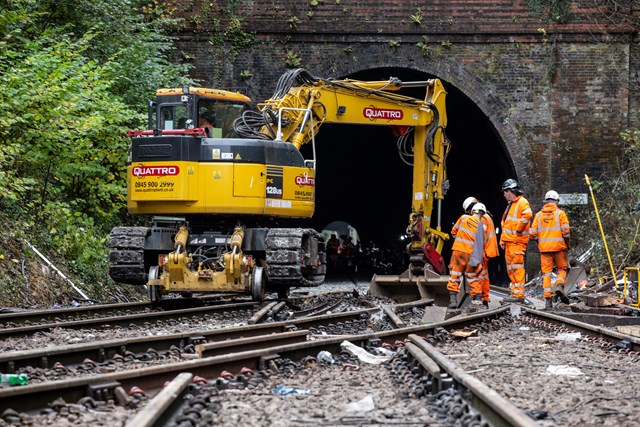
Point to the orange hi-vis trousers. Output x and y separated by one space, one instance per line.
514 258
547 262
459 265
483 278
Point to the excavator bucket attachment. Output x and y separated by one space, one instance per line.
408 287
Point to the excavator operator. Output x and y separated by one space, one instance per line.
206 120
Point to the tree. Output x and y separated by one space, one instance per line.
73 78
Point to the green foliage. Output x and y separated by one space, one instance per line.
292 59
545 35
555 10
237 37
73 78
425 48
75 236
416 18
616 193
64 127
293 22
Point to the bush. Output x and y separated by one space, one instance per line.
617 194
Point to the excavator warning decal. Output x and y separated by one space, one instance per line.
274 182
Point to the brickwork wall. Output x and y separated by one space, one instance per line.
556 94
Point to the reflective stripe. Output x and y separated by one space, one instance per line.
516 216
515 233
551 228
465 235
551 239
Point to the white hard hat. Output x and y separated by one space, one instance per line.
552 195
468 202
479 207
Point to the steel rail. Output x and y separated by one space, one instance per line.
496 409
34 316
36 396
99 351
586 328
140 318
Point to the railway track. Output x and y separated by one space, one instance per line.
458 364
120 320
236 361
109 354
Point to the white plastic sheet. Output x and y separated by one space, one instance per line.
363 354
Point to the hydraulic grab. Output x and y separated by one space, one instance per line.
216 176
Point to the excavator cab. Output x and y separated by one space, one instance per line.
193 108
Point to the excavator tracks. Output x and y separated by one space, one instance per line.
295 257
126 255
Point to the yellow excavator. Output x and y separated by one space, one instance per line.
219 179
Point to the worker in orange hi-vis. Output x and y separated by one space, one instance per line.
466 256
552 231
516 222
490 251
490 247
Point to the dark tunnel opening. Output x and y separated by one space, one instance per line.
362 180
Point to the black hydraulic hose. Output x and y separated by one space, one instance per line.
431 133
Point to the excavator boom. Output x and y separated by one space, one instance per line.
302 103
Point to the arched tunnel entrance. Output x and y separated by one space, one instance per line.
362 180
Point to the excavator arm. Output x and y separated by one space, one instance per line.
302 103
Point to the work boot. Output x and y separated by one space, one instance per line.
561 295
510 300
453 300
477 301
548 303
485 303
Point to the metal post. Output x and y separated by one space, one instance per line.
604 239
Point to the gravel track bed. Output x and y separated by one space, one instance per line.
574 382
337 397
333 395
60 372
61 336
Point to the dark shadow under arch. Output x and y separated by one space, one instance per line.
361 178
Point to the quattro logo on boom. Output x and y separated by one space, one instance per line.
374 113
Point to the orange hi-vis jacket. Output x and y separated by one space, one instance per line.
490 240
465 231
516 222
551 228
